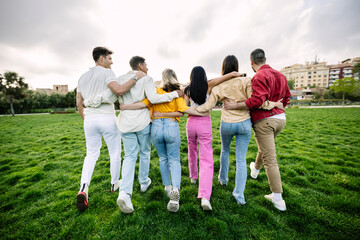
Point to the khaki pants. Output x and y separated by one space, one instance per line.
266 131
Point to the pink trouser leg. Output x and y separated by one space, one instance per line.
201 127
192 148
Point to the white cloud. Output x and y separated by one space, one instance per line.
51 41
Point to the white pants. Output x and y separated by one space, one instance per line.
95 127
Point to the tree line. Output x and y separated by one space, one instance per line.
16 97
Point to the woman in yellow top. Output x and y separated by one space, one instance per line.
165 135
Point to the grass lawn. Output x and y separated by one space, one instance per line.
41 158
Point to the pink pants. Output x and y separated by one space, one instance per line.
198 129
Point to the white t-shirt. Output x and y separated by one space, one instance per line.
94 82
137 120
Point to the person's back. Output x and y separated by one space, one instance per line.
276 89
134 120
92 83
237 89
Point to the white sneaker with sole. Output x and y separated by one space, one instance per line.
173 205
115 186
280 205
168 190
144 187
205 204
124 202
254 172
193 180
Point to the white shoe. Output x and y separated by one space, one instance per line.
254 172
280 205
205 204
222 184
168 190
124 202
144 187
115 186
192 180
173 205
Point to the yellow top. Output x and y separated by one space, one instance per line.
176 105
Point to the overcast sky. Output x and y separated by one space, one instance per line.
50 42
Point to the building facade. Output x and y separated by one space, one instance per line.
308 74
56 89
342 70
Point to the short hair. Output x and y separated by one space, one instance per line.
100 51
258 56
134 62
230 64
198 87
170 81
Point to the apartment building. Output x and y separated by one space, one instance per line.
342 70
308 74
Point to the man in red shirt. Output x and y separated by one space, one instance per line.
267 84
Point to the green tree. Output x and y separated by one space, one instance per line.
13 87
348 85
291 84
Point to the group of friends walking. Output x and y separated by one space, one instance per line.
149 114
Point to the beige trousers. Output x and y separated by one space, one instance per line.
266 131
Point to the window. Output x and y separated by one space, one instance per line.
309 76
319 75
309 73
325 75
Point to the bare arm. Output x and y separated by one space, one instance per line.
216 81
192 111
122 89
79 104
133 106
167 115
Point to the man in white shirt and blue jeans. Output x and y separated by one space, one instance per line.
100 121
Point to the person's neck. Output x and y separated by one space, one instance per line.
257 67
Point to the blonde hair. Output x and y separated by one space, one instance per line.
169 80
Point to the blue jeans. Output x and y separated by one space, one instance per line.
242 131
165 136
133 142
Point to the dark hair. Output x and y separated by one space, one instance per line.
100 51
258 56
134 62
198 86
230 64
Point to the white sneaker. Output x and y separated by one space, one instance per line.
144 187
280 205
173 205
254 172
168 190
115 186
124 202
205 204
192 180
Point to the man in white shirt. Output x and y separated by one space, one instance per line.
134 126
99 122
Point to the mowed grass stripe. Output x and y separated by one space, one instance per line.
318 153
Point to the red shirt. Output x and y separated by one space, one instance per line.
267 84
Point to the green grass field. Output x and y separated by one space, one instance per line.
318 153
